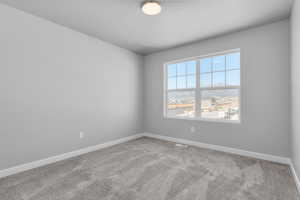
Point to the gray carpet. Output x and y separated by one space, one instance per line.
149 169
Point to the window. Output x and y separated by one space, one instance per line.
205 88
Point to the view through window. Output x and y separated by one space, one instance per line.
204 88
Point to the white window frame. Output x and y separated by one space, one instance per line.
198 89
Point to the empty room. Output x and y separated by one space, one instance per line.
149 99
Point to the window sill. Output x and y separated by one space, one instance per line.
205 120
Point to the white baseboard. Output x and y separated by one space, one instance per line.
294 174
268 157
39 163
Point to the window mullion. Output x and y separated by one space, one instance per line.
186 76
211 73
176 76
198 92
166 95
225 84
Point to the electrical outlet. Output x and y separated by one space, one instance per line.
81 134
192 129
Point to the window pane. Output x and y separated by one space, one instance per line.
205 80
218 79
191 81
220 104
219 63
205 65
181 82
180 69
171 83
191 67
233 78
172 70
233 61
181 104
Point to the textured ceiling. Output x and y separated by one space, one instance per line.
121 22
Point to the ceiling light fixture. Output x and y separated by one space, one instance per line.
151 7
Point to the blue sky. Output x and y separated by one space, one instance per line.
212 68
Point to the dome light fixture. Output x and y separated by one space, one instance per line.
151 7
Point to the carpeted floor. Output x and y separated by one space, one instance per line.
150 169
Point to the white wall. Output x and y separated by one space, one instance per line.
295 46
56 82
265 63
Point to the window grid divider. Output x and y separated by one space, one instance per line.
225 73
198 92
